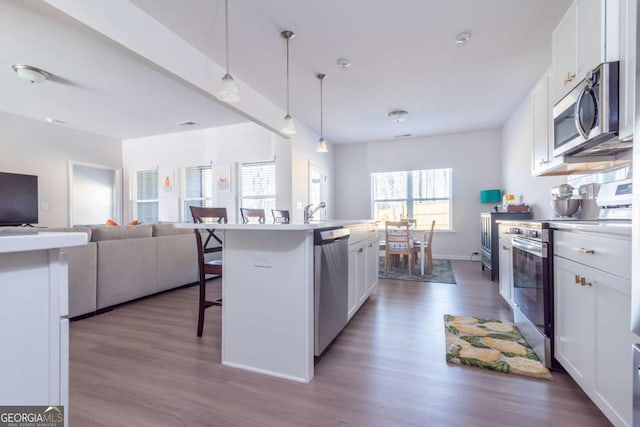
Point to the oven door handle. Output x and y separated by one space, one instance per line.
534 248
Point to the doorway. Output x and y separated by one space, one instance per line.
318 188
94 194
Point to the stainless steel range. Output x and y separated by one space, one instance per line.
533 286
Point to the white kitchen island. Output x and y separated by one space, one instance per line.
268 296
34 330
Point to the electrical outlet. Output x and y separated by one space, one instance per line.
262 259
299 205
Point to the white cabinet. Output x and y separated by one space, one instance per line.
592 318
363 265
587 35
506 269
564 54
628 28
542 152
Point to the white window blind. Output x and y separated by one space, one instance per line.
198 189
146 196
423 195
257 184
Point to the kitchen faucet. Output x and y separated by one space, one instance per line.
308 212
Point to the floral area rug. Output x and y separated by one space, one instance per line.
441 272
491 344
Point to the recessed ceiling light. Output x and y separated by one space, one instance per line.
343 63
187 123
404 135
398 115
54 121
30 73
463 38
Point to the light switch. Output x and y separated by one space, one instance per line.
299 205
262 259
44 206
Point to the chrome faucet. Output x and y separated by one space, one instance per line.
308 212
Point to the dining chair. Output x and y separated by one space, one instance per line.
280 216
399 242
249 215
214 267
427 247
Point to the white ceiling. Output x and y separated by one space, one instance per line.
403 57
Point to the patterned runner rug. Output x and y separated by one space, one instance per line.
491 344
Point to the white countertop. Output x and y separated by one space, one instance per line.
620 227
25 241
294 226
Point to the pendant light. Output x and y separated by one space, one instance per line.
321 147
288 127
228 91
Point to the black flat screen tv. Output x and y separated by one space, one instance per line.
18 199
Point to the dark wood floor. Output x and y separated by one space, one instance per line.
142 365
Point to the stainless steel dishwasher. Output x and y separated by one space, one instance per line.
331 283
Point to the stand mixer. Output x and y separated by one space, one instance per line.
563 204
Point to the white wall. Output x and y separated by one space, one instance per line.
517 140
474 157
223 146
38 148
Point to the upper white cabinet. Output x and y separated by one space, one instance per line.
628 28
542 154
587 35
564 54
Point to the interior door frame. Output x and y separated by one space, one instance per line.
117 188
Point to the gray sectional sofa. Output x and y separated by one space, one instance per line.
122 263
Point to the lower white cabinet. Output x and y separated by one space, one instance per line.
592 323
506 269
363 270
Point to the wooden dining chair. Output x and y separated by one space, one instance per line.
280 216
399 241
427 247
249 215
214 267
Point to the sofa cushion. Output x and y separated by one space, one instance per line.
167 229
121 232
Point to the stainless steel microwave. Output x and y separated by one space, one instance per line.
585 121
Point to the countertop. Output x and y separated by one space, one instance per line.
293 226
620 227
25 241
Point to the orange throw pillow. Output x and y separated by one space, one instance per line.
134 222
111 223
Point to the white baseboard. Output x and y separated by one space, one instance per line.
458 257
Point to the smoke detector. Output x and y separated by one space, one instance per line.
463 38
398 115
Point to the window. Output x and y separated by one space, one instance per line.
198 189
146 197
423 195
257 185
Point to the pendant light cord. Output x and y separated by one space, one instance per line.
287 76
226 29
321 107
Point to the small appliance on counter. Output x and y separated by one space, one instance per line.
589 209
563 204
614 200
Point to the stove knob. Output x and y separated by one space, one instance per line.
535 234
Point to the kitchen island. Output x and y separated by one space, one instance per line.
34 304
268 296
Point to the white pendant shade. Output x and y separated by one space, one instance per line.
288 128
321 147
228 90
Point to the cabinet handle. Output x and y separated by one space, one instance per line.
584 251
583 282
370 245
360 250
543 162
570 77
506 248
578 279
